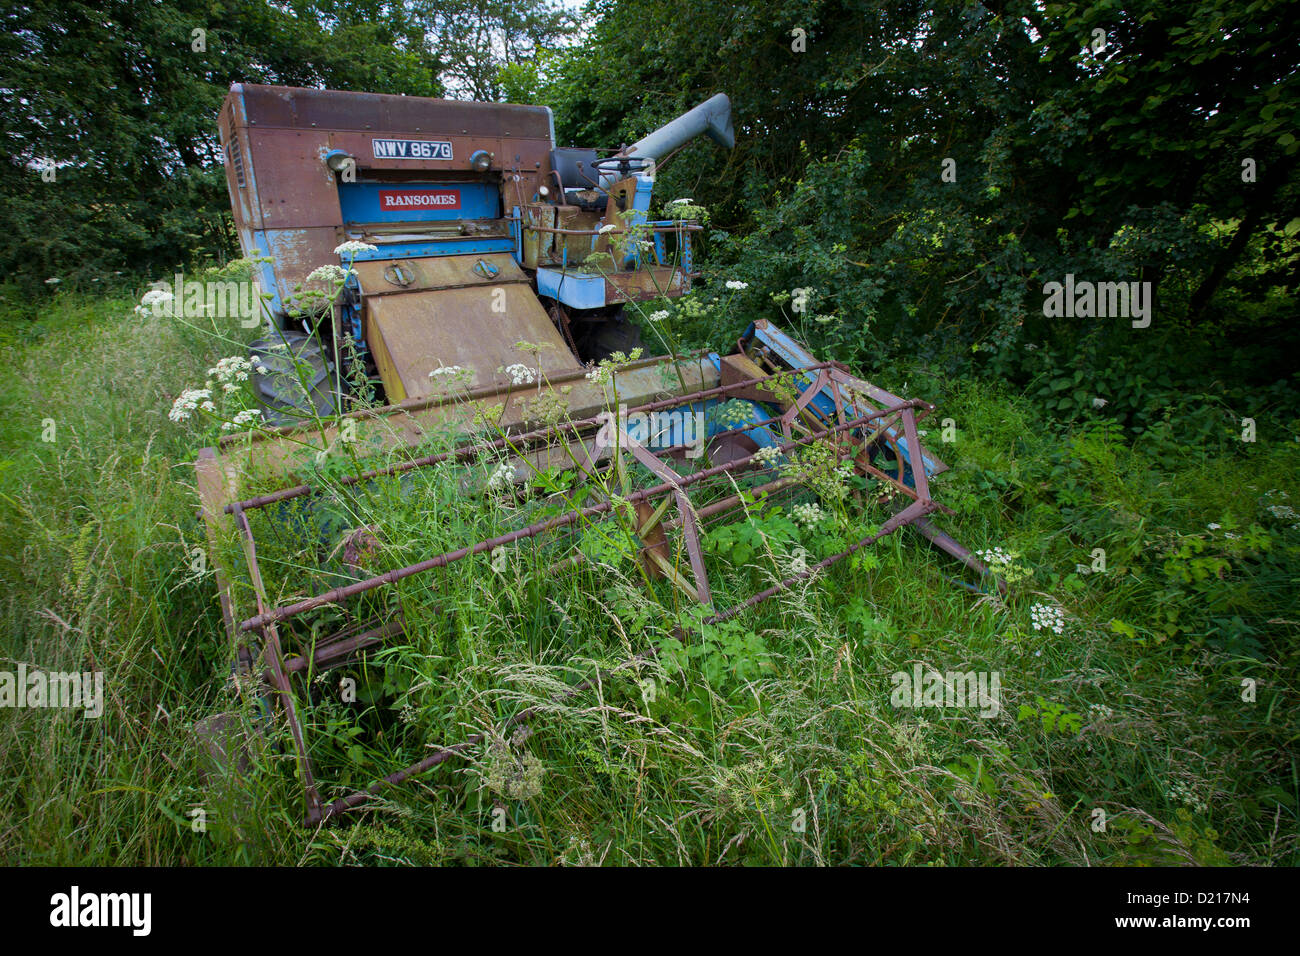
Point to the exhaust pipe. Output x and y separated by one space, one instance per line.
712 117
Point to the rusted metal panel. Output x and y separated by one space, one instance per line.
648 282
741 368
436 272
235 153
297 252
427 330
305 108
294 186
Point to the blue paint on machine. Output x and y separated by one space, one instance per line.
417 202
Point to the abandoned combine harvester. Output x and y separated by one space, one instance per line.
484 274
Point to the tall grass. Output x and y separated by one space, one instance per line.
773 740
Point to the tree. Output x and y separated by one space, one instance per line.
109 159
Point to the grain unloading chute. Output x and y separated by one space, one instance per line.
485 279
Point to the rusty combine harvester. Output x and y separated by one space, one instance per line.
480 234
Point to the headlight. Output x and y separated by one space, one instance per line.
338 160
481 160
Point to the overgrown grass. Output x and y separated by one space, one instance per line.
770 740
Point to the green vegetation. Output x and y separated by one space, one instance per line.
769 739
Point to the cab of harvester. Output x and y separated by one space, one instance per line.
466 229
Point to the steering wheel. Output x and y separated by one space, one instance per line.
625 165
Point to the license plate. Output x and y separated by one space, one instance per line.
410 149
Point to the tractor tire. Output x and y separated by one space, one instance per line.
280 388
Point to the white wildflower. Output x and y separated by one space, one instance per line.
1099 403
735 285
502 479
521 374
329 274
607 228
354 246
1045 617
248 416
659 315
229 370
996 557
187 402
808 515
154 301
734 414
767 455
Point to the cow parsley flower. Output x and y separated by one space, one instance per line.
1006 564
330 274
734 414
681 210
1045 617
607 228
808 515
154 301
248 417
659 315
735 285
354 246
767 455
452 375
230 370
521 374
188 401
502 479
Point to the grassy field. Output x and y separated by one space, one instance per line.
1158 726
